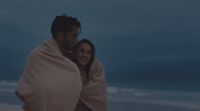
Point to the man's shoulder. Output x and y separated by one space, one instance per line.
34 52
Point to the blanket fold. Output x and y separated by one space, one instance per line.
50 81
94 93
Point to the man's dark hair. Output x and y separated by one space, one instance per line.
63 24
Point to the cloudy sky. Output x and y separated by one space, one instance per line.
135 39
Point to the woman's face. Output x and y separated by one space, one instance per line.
83 54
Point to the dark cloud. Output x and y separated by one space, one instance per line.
133 37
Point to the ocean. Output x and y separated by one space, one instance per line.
134 96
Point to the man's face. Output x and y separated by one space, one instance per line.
70 38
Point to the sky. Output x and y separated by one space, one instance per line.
154 40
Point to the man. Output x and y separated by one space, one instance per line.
51 81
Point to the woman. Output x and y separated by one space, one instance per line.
93 96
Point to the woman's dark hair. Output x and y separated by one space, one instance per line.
64 24
86 41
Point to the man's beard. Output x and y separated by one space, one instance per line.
65 45
66 50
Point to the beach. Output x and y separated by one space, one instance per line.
124 98
117 106
137 106
10 107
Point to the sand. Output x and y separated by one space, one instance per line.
136 106
10 107
116 106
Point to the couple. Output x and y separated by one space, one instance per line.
63 75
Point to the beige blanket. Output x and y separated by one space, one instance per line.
50 81
94 94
